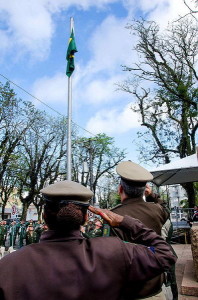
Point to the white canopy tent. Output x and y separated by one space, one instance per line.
179 171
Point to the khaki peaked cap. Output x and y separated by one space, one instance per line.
68 190
131 171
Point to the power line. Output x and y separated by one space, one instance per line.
31 95
84 129
43 103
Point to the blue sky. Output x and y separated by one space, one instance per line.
34 37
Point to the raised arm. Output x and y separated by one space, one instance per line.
150 256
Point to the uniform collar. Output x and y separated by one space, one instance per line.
52 235
132 200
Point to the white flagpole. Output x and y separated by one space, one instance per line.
69 117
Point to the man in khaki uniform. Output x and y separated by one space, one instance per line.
65 265
152 213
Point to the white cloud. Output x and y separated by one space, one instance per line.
113 121
161 11
110 46
102 91
97 91
80 4
168 11
29 25
51 89
152 5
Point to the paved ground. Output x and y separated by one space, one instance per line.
184 253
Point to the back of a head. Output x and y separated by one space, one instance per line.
66 204
133 178
131 189
65 217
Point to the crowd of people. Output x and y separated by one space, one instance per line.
92 228
16 234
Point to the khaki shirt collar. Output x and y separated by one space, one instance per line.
133 200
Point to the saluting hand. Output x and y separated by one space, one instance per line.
148 190
113 219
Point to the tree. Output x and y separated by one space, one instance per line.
107 191
15 119
40 152
33 152
101 156
7 190
164 84
51 169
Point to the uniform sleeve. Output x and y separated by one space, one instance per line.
151 258
161 203
153 197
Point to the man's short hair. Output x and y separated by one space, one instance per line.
66 217
132 189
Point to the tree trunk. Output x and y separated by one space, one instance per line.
190 190
24 211
3 212
39 212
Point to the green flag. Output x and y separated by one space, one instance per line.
70 55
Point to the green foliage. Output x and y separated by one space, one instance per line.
100 155
184 203
196 192
168 106
164 84
114 199
33 150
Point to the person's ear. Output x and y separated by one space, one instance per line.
86 218
120 189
